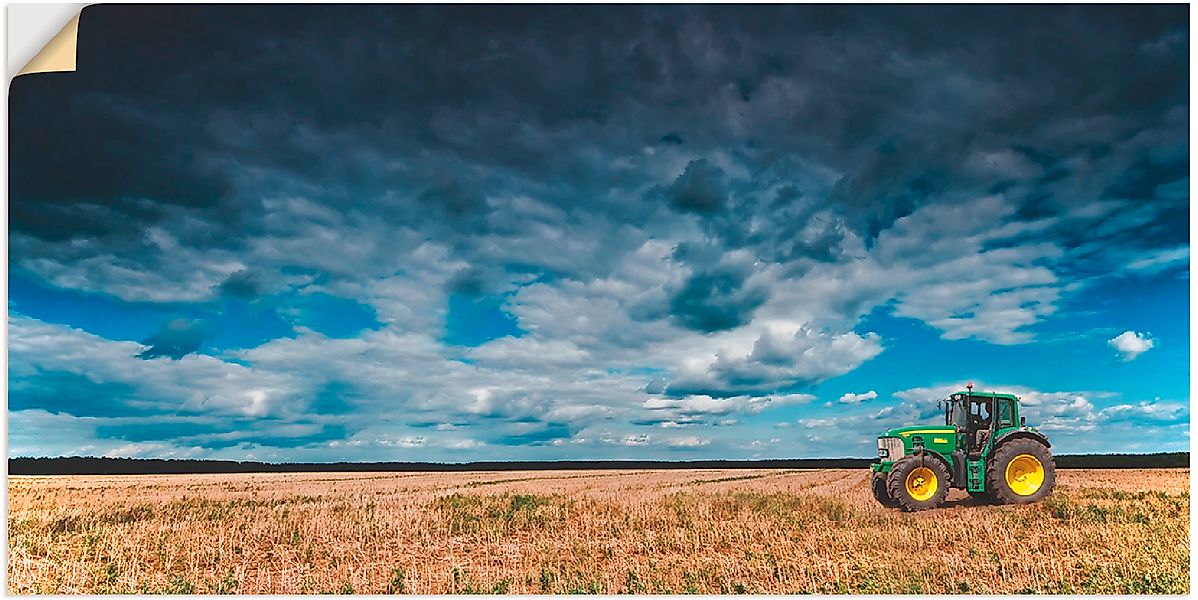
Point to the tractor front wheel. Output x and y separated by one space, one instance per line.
918 482
1021 471
881 494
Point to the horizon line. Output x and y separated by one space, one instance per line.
517 461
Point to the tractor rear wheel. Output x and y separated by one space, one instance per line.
918 482
1021 471
881 494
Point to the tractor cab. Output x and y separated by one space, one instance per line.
984 447
976 417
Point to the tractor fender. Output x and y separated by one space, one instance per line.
1019 434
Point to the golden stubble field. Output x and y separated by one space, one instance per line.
678 531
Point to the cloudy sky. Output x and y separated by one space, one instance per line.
451 234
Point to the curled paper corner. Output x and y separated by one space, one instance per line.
58 54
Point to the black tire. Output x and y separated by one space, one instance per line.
906 468
881 493
996 472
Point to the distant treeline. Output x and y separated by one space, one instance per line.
76 465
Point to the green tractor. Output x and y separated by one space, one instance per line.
984 448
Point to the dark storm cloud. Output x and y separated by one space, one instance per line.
699 189
714 296
289 101
715 300
176 339
474 281
243 285
538 436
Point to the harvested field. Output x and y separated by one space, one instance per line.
679 531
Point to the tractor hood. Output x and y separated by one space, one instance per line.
907 432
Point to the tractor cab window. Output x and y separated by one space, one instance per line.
958 413
979 413
1006 413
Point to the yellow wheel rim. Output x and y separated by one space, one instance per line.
921 483
1025 474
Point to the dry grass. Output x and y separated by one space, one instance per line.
590 531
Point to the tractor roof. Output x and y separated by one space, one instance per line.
987 394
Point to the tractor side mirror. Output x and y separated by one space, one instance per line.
1023 421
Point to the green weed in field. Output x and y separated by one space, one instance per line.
177 585
226 584
397 584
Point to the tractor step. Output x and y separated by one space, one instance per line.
976 480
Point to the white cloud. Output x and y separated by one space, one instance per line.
687 442
408 394
1160 259
404 442
1146 413
194 384
851 398
699 406
775 358
1131 344
463 444
628 440
154 450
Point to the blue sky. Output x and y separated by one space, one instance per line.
488 233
